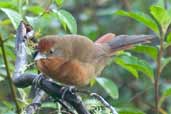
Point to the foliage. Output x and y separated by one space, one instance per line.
159 22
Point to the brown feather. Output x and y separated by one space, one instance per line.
76 59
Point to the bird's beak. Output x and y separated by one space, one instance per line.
40 56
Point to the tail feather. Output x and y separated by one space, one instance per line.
123 42
105 38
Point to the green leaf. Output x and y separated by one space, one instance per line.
167 43
168 38
130 111
109 86
1 78
167 92
162 16
165 61
36 10
67 20
5 4
49 105
121 63
8 104
92 82
137 64
15 17
146 49
141 17
59 2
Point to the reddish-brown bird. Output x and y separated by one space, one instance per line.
75 59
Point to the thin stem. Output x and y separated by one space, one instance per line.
20 3
9 77
158 72
158 66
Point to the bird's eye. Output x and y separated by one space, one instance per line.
51 51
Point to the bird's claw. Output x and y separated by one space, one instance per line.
66 89
37 80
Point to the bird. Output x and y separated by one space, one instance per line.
75 60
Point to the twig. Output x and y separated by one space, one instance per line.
103 101
159 63
36 103
159 66
9 77
158 73
159 69
139 94
100 98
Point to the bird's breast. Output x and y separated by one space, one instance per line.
69 72
50 65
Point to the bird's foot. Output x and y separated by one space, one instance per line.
65 89
37 80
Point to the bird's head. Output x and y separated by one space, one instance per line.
45 48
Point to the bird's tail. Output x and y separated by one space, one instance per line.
122 42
